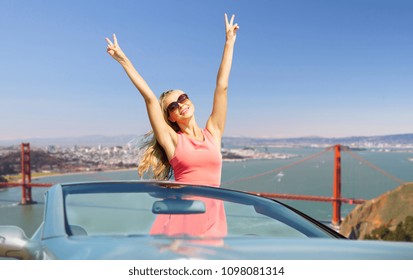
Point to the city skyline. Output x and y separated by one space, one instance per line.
301 68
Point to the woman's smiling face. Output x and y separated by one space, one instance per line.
178 105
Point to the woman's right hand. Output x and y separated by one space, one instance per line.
115 51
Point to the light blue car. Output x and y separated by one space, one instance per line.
150 220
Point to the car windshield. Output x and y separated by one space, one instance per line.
150 209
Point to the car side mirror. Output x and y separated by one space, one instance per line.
13 243
178 206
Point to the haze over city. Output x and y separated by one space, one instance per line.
301 68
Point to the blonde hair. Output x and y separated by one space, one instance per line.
154 159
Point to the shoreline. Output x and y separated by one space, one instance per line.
84 172
36 177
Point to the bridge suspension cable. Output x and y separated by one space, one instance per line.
374 167
277 169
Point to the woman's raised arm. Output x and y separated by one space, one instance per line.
216 122
163 132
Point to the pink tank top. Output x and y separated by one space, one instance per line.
200 163
197 162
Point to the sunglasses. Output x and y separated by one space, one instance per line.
174 105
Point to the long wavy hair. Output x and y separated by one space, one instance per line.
154 160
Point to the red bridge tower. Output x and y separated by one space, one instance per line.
337 186
26 175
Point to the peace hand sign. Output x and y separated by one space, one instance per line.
114 50
231 28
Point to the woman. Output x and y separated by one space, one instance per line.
178 143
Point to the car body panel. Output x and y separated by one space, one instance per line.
250 248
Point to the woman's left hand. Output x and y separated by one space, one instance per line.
231 29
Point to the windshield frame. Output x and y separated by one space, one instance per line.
265 206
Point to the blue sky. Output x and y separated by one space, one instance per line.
301 68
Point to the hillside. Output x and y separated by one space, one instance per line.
389 209
11 163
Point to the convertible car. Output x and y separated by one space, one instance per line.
165 220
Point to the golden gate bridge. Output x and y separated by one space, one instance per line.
336 198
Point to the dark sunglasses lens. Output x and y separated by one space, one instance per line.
173 106
182 98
